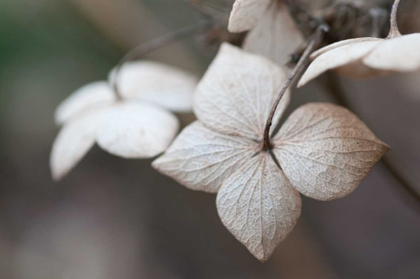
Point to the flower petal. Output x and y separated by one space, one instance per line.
87 97
246 14
161 84
347 60
276 35
259 206
339 44
399 54
326 151
236 94
202 160
73 142
136 130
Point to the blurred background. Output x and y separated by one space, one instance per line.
116 218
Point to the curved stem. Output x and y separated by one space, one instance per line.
153 45
394 32
323 28
336 91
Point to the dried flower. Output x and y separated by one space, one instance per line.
322 151
368 57
273 31
133 124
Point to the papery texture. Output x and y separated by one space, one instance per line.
326 151
237 92
201 159
259 206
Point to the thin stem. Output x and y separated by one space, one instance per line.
153 45
394 32
323 28
336 91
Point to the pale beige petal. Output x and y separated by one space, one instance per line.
161 84
259 206
73 142
136 130
246 14
89 96
202 160
276 35
347 60
339 44
400 54
326 151
236 94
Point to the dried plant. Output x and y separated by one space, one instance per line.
322 151
131 122
368 57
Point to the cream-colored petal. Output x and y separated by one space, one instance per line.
339 44
259 206
87 97
276 35
246 14
161 84
347 60
202 160
136 130
75 139
400 54
236 94
326 151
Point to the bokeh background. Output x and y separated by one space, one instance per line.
116 218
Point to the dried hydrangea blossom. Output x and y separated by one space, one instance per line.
323 151
273 32
368 57
133 124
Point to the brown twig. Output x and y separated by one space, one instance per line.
323 28
394 32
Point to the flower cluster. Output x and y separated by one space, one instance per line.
133 123
322 151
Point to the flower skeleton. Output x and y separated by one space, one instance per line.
322 151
